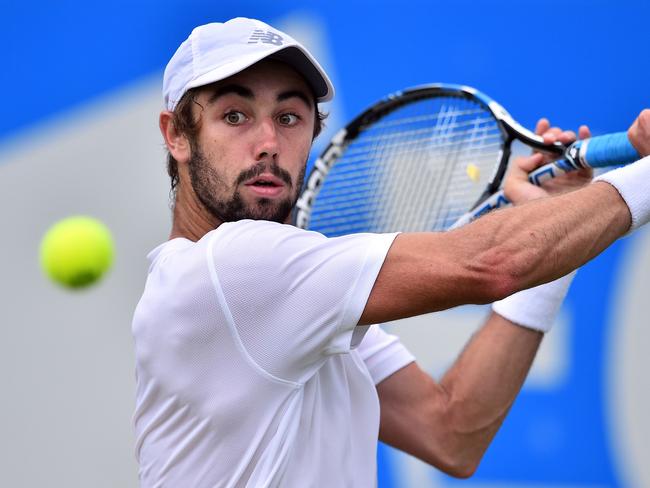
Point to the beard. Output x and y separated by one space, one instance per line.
208 186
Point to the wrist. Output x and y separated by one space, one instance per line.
631 182
535 308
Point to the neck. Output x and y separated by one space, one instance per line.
191 220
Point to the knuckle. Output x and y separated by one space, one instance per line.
644 119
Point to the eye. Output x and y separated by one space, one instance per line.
289 119
235 118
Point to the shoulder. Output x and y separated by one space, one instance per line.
251 228
260 237
257 229
254 232
256 240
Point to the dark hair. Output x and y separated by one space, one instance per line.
187 124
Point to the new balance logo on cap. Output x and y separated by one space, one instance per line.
265 37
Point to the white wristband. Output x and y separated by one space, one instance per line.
633 184
535 308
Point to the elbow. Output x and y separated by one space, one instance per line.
460 438
454 453
463 472
461 469
458 463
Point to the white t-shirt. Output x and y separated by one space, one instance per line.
247 371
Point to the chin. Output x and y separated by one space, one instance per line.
275 211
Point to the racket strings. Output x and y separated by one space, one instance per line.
392 133
406 143
406 216
429 117
475 143
444 181
418 169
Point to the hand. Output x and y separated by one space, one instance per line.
639 133
517 187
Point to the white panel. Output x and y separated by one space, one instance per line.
628 365
66 359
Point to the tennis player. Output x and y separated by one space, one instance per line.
257 364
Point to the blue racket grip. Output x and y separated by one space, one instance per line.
597 152
602 151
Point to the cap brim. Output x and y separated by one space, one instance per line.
294 56
310 69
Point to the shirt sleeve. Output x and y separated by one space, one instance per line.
295 296
383 353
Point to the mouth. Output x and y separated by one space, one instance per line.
265 185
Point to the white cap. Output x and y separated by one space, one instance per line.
216 51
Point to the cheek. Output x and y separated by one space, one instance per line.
221 157
301 148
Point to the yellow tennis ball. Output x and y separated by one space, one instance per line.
76 251
473 172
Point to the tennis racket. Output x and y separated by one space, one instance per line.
430 158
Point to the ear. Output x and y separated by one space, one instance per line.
177 143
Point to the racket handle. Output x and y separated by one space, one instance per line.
550 170
596 152
603 151
494 201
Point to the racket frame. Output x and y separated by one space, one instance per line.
509 128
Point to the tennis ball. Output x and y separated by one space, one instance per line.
76 251
473 172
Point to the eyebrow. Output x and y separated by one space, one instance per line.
296 94
240 90
247 93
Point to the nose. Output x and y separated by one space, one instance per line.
266 144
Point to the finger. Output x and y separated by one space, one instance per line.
525 165
552 135
584 132
639 133
567 137
542 126
585 173
517 187
518 170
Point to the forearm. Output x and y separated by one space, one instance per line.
450 423
545 239
484 382
497 255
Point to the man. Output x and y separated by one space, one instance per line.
255 362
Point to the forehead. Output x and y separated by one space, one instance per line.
268 77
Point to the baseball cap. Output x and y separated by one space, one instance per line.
216 51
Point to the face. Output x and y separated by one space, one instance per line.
250 154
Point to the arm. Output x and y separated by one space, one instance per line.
497 255
451 423
509 250
512 249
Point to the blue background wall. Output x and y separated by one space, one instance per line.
575 60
